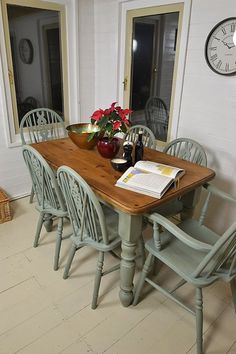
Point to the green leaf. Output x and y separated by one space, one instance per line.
92 135
123 128
109 127
114 115
103 121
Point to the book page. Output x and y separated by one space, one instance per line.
161 169
143 180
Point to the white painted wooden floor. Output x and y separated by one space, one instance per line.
42 313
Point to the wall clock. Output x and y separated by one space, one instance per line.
26 51
220 47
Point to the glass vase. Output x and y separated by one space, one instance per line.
108 148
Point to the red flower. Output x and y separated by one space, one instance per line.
127 111
112 108
126 121
97 115
123 113
107 112
112 120
116 125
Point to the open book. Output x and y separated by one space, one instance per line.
150 178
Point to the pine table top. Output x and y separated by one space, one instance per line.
99 174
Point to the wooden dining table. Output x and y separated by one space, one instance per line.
131 206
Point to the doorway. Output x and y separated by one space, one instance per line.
151 62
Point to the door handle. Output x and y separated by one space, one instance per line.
10 75
125 82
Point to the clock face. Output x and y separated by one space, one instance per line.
26 51
220 48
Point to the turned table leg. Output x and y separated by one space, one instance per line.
130 228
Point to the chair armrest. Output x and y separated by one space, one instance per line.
216 191
178 233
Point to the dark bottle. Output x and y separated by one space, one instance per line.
139 147
127 155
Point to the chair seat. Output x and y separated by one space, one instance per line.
50 210
199 232
112 227
180 257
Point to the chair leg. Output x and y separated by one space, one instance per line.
233 291
38 230
58 243
69 261
97 281
145 271
142 249
48 222
157 264
199 320
31 195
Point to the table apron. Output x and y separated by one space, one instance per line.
130 227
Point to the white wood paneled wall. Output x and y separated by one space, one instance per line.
209 100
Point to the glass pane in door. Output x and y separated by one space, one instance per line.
152 66
142 64
36 58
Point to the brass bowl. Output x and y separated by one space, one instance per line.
79 133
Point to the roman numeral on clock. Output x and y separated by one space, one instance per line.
223 30
214 57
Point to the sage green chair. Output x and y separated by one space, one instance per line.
148 136
41 124
157 117
49 198
94 224
187 149
196 253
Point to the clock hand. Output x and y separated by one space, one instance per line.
226 44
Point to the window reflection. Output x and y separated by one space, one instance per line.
36 56
153 57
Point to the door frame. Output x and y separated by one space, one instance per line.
179 63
